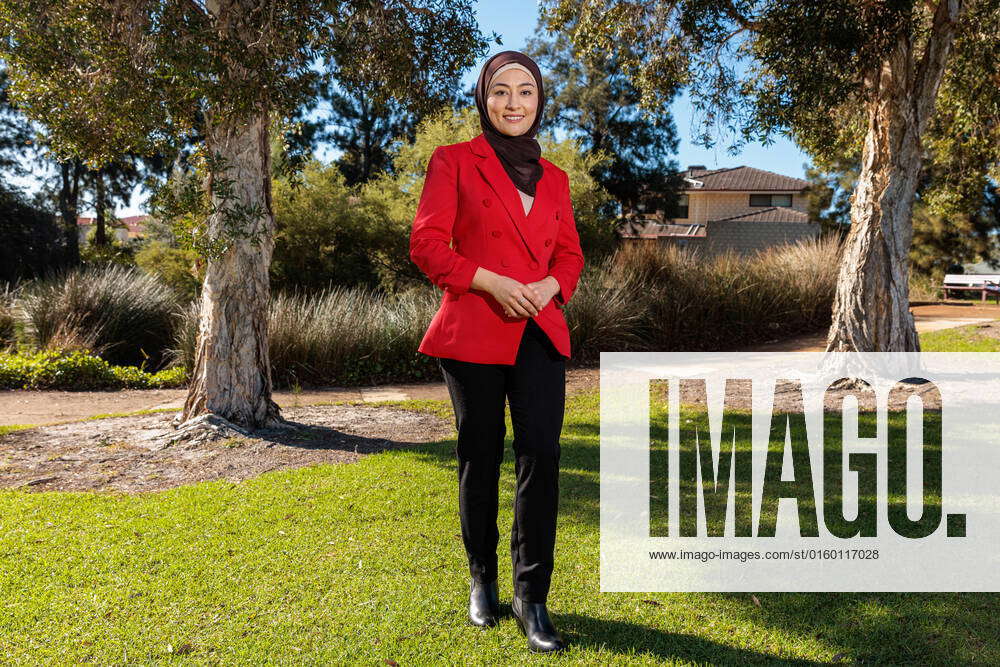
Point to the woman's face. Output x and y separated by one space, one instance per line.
512 101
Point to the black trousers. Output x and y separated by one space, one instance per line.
536 388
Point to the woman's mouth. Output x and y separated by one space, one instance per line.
516 118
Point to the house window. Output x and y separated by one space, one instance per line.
682 206
771 200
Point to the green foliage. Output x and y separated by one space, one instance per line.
323 235
941 240
108 78
589 97
121 313
187 205
176 267
79 370
829 195
590 200
112 252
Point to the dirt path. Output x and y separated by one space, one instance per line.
47 407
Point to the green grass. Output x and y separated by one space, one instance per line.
959 339
363 563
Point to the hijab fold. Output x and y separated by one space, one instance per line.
518 154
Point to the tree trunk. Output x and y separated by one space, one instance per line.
871 304
232 373
100 216
69 191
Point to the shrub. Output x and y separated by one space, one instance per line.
121 313
79 370
653 297
174 266
340 335
8 295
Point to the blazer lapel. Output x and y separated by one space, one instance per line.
494 173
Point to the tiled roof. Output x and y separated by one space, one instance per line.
681 230
133 222
772 214
742 179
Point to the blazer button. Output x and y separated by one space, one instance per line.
534 265
548 242
496 233
486 202
557 215
503 261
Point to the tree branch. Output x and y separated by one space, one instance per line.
932 64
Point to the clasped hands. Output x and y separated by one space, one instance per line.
517 299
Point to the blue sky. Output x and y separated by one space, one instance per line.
515 21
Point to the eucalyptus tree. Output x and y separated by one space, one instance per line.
15 132
589 97
108 77
897 79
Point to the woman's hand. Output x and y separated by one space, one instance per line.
516 298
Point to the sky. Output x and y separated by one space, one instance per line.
515 21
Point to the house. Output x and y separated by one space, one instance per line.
739 208
124 230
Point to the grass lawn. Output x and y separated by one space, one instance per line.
959 339
363 563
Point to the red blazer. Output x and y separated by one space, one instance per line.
469 198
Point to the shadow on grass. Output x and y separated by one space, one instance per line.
894 628
625 637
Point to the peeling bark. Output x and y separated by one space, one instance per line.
871 305
232 373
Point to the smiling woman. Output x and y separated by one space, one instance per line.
513 99
500 333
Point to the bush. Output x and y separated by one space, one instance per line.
79 370
660 297
341 335
121 313
174 266
8 294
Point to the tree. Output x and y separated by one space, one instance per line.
590 97
829 195
941 240
31 237
831 75
107 77
15 131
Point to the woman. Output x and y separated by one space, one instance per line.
500 332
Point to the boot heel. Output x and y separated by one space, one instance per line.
534 622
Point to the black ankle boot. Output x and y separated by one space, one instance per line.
534 621
484 603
